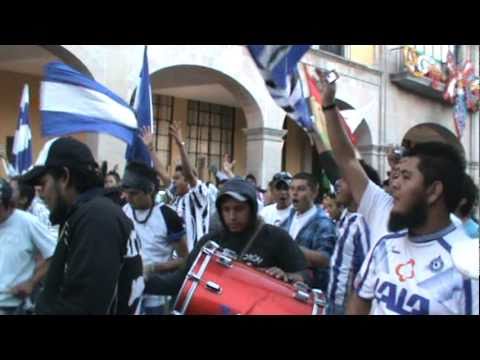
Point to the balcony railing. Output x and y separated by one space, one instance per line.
421 85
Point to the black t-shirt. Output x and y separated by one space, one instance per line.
273 247
96 267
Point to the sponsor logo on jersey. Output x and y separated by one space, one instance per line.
406 271
400 300
436 265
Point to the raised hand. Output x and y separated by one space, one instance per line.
176 133
327 90
228 165
147 137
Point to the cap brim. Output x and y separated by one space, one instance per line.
286 182
235 195
33 176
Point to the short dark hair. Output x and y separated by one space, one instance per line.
5 193
371 172
470 194
81 178
25 190
441 162
251 176
141 169
115 175
311 181
179 168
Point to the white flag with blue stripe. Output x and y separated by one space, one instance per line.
278 66
71 102
22 143
144 111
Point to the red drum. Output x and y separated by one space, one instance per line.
217 284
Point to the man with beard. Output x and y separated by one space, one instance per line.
96 267
277 212
409 272
22 238
256 243
412 271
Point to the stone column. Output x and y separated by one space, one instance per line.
264 153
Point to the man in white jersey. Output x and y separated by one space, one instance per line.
411 271
158 226
374 203
276 213
432 194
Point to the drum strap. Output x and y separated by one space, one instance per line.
252 239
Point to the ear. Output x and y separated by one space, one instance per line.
434 192
65 177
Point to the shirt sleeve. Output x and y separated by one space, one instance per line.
324 238
375 206
43 239
175 225
365 280
289 256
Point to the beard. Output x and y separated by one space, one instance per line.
415 216
58 215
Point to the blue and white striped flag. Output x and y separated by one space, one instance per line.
278 66
143 109
71 102
22 143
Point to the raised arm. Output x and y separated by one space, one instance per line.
176 134
147 138
343 150
228 165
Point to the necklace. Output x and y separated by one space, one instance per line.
146 218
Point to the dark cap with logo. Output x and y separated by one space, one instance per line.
282 177
59 152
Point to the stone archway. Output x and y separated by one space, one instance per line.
67 57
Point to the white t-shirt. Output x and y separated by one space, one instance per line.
22 237
375 206
300 220
405 275
158 236
274 216
40 210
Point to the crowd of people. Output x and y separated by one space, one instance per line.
76 238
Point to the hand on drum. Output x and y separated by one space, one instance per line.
277 273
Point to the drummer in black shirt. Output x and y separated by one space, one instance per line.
260 245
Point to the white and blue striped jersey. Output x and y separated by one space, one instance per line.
350 251
405 275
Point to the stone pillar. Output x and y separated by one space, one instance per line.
264 153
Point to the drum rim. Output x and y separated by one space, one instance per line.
188 298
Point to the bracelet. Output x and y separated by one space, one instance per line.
329 107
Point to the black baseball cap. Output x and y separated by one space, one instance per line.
59 152
282 177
